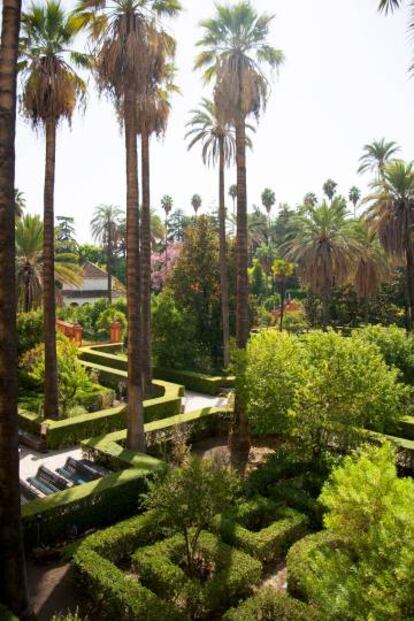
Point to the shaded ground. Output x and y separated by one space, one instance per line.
218 449
52 589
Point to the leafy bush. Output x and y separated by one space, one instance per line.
174 334
69 616
108 317
6 615
72 377
320 388
395 345
189 497
29 331
347 387
233 576
273 371
371 510
271 605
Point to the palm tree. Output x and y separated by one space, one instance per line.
329 188
51 91
282 271
196 203
127 58
29 263
391 216
13 589
104 227
153 111
167 205
235 49
372 268
218 147
19 203
268 200
310 200
354 197
376 155
323 245
233 195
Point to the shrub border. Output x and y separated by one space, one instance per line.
199 382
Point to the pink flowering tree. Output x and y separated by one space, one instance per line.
163 263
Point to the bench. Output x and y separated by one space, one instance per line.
77 473
48 476
46 488
27 493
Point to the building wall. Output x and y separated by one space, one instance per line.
90 284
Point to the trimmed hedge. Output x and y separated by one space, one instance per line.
91 505
6 615
300 556
112 591
105 356
271 605
109 449
261 528
235 574
69 431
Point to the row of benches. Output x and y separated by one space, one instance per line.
74 472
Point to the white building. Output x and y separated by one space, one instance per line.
93 288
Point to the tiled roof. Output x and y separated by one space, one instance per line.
90 270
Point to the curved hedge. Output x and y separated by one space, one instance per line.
70 431
299 560
271 605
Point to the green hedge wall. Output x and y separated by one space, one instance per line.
91 505
235 574
105 356
70 431
271 605
109 449
282 528
115 595
299 560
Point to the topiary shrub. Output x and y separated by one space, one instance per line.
271 605
29 331
261 528
203 590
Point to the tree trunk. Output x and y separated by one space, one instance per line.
13 591
49 305
240 437
410 286
282 308
109 263
223 261
135 434
146 262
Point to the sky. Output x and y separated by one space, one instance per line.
344 83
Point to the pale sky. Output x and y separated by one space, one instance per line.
344 83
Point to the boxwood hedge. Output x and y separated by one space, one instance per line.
234 576
299 560
271 605
70 431
261 528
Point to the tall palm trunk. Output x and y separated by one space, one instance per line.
109 263
282 307
13 591
49 306
410 285
223 260
240 439
146 261
135 435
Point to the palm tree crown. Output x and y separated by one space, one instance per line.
105 223
208 128
167 204
51 87
376 155
329 188
235 46
268 199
